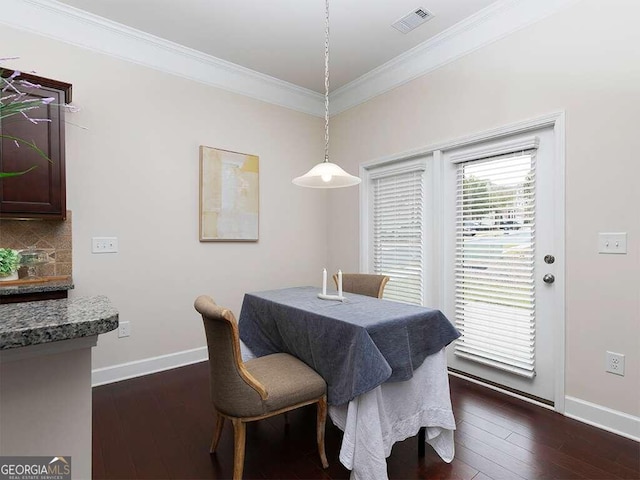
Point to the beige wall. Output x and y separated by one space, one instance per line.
583 60
134 174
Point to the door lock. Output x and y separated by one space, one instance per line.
549 259
548 278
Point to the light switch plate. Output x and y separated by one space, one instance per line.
612 243
104 245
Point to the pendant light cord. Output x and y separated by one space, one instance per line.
326 84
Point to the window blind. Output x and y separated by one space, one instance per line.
398 203
494 263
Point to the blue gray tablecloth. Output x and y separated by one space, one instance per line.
355 345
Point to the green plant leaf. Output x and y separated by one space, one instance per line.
32 145
16 174
9 261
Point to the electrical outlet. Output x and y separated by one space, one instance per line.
615 363
104 245
124 329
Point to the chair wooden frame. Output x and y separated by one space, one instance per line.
239 423
239 432
383 281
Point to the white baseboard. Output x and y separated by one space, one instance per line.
592 414
605 418
123 371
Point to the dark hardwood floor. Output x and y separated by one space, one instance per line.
159 426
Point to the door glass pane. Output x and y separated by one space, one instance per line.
495 252
398 204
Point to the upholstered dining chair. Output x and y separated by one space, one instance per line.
259 388
363 283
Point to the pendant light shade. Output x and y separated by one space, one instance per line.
326 174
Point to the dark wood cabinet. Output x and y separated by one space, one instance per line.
40 193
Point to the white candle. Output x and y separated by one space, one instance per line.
324 281
339 283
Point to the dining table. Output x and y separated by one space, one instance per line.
384 363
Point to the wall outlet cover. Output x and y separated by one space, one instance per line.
124 329
615 363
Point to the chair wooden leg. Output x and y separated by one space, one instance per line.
217 433
239 435
322 418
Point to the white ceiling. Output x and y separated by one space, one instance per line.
285 38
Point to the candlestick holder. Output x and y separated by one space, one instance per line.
339 298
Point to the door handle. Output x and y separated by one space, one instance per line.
548 278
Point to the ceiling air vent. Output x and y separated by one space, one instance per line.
412 20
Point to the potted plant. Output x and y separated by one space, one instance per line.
9 263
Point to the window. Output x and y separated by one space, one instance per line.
397 231
481 215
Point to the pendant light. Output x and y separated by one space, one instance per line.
326 174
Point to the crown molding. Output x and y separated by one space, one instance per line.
62 22
498 20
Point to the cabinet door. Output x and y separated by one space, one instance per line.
40 193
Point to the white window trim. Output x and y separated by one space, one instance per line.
494 149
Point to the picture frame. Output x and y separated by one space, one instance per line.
229 201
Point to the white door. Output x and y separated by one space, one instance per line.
502 276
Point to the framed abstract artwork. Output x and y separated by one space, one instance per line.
229 196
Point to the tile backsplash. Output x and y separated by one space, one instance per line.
54 236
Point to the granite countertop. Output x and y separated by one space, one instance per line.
32 323
50 286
